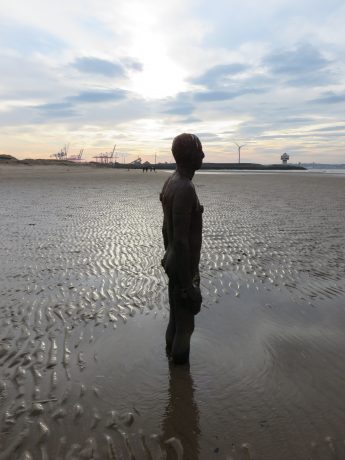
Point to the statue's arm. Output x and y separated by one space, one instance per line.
165 232
184 200
164 227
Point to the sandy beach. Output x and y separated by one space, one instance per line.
83 310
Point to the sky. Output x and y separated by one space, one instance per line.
90 74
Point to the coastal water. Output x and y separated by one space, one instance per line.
335 171
339 171
83 310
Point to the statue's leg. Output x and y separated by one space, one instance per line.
184 321
171 329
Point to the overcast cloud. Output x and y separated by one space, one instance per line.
136 73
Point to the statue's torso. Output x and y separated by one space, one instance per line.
195 228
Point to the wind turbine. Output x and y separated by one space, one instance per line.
239 151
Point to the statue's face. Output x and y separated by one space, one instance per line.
198 157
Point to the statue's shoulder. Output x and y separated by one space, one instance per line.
165 189
177 188
184 192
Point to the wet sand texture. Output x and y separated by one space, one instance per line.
83 310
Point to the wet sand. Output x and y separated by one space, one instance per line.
83 310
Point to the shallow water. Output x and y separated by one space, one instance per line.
84 306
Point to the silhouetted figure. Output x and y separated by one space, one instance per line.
182 234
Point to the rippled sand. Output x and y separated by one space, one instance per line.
83 310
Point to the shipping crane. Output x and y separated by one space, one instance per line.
62 155
76 157
105 157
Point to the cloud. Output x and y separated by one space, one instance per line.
28 40
30 80
190 120
99 96
304 58
303 65
179 109
214 96
330 97
204 136
229 81
321 78
150 68
53 111
179 105
99 66
296 120
332 128
259 127
54 106
219 75
132 64
75 106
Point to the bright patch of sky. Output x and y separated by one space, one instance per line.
136 73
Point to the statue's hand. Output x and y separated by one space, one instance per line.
196 279
192 298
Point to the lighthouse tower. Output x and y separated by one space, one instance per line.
285 157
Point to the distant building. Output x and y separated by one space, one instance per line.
136 162
285 157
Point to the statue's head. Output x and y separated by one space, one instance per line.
187 151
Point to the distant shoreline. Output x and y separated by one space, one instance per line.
7 159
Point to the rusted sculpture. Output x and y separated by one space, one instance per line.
182 234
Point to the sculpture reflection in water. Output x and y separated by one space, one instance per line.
181 419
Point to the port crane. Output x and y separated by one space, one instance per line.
106 158
62 155
77 157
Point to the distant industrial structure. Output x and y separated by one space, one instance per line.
239 151
77 157
136 162
63 155
106 158
285 157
